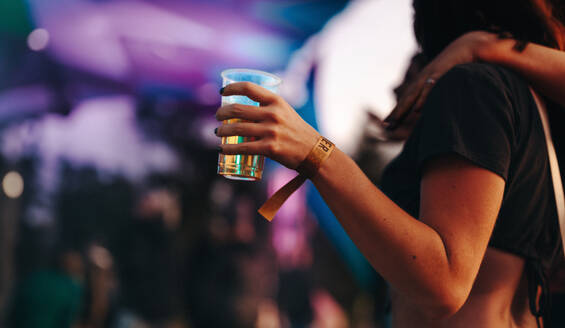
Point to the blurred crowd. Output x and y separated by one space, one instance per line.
112 214
177 253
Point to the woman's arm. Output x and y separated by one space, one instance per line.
543 67
432 261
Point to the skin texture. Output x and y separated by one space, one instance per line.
431 261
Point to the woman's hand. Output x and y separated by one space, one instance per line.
280 133
462 50
400 133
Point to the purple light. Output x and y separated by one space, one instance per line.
172 42
289 229
99 132
208 94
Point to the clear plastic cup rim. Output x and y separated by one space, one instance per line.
276 80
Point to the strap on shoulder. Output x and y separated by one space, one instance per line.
553 165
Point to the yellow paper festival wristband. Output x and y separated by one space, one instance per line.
307 169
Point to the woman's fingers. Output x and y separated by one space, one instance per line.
251 90
246 112
414 97
244 129
257 147
405 103
400 112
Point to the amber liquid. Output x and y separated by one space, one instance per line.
239 167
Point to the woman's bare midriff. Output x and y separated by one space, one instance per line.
499 299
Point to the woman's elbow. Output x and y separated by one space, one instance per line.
443 311
446 302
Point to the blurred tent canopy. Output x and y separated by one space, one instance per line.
170 43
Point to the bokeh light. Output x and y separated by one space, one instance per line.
38 39
13 184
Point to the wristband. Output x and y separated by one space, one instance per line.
307 170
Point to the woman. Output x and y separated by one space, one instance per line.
434 240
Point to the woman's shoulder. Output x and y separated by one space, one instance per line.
485 84
484 73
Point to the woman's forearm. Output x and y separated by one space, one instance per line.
409 254
543 67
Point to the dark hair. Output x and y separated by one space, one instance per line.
438 22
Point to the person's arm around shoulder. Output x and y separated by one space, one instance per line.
542 66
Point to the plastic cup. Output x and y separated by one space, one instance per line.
244 167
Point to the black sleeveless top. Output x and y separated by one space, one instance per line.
487 115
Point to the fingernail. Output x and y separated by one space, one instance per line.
222 90
216 131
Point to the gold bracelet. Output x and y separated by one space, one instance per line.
307 169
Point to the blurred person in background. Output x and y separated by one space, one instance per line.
51 297
100 296
147 270
231 273
433 263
